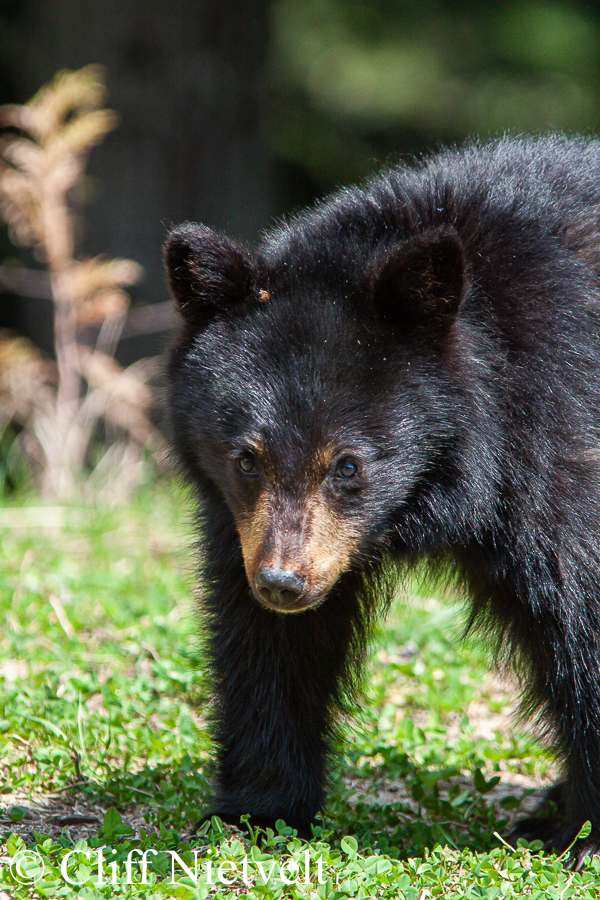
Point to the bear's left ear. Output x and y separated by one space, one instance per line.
421 281
208 273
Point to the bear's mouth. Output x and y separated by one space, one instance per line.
290 605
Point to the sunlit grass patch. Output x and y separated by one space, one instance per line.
104 740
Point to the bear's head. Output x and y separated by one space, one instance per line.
314 401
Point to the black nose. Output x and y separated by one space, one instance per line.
279 587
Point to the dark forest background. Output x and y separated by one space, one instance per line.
235 112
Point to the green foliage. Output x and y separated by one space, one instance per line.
105 752
362 79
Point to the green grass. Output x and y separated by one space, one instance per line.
103 742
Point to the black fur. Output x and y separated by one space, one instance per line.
439 327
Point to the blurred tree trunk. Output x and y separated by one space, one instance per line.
187 78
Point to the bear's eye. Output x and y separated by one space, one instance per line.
247 464
346 469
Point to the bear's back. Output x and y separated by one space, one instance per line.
506 192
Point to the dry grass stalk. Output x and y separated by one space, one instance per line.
43 152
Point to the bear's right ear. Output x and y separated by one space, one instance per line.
421 282
208 273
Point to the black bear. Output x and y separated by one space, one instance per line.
410 369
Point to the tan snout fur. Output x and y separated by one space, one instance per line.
307 539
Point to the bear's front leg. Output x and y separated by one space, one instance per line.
278 680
